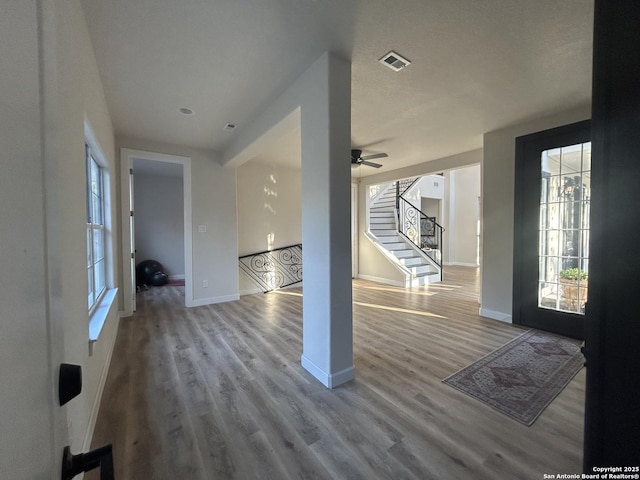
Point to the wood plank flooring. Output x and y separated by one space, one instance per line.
217 392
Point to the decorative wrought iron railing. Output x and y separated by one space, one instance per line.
274 269
419 228
403 185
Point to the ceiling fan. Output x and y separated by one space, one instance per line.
357 159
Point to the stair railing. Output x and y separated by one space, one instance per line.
402 186
273 269
419 228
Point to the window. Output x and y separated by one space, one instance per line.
96 271
564 228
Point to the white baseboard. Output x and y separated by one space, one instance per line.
176 277
460 264
500 316
199 302
329 380
386 281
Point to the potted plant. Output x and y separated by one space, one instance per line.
574 287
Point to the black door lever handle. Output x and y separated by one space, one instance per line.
73 465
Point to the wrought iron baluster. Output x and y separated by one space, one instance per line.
274 269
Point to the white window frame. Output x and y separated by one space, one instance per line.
105 304
95 228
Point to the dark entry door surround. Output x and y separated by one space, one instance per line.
534 273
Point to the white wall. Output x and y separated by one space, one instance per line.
431 186
497 209
43 244
431 207
462 198
213 195
26 422
269 207
159 221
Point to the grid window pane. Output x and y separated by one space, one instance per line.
91 296
89 250
551 162
98 245
564 228
99 277
586 156
96 273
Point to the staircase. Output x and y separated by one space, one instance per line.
383 229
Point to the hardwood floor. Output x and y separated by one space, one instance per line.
217 392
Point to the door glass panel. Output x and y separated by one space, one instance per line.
564 228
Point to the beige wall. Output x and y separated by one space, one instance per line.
497 210
464 190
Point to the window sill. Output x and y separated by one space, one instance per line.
100 314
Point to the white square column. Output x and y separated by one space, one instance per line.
326 235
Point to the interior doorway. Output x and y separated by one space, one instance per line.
153 162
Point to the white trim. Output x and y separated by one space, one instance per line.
95 408
500 316
199 302
386 281
461 264
126 161
329 380
100 313
176 277
354 230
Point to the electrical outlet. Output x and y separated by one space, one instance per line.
202 229
205 283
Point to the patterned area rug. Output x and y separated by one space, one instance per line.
523 376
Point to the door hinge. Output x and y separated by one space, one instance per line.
133 255
131 171
131 213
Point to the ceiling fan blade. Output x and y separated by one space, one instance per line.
370 164
375 155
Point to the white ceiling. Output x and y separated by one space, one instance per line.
476 66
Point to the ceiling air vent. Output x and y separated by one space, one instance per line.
394 61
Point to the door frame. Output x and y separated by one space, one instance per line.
128 273
528 146
354 230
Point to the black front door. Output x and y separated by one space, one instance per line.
551 237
